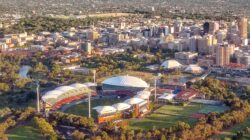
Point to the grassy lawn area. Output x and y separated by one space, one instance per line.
25 132
211 108
82 108
169 115
232 131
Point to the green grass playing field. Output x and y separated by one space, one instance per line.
169 115
82 108
25 132
211 108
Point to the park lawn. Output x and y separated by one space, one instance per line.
212 108
25 132
82 108
167 116
232 131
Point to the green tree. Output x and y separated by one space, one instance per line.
45 128
77 135
4 87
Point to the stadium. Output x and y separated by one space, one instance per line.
194 69
55 99
136 106
124 83
171 64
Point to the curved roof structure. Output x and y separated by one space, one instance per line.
62 92
126 81
171 64
194 69
133 101
65 88
52 94
142 96
89 84
121 106
77 85
144 92
105 109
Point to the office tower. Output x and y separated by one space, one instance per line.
178 26
221 35
93 35
122 25
205 28
166 30
223 53
213 27
206 43
87 47
172 30
193 43
242 24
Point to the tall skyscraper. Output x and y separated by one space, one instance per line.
242 24
206 43
193 43
213 27
205 28
223 53
87 47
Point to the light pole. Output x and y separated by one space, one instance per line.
156 78
89 94
94 75
37 96
155 86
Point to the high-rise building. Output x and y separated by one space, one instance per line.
223 53
166 30
243 57
221 35
193 43
206 43
178 26
93 35
87 47
242 24
205 28
213 27
122 25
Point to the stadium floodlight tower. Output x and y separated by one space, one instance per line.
89 94
37 96
94 75
156 78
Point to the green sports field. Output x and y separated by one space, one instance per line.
169 115
25 132
82 108
211 108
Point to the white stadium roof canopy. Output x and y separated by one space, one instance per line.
89 84
52 94
121 106
65 88
171 64
142 96
77 85
133 101
194 69
126 81
105 109
145 92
